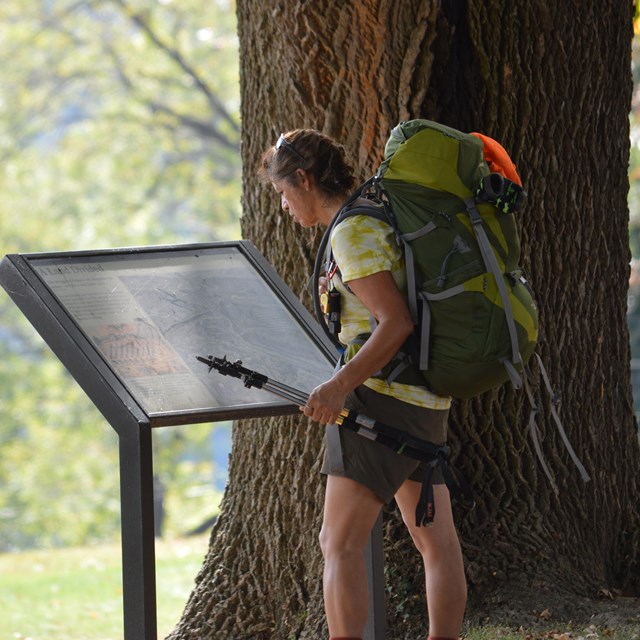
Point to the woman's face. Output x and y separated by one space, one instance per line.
298 200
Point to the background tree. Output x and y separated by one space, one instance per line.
552 81
119 126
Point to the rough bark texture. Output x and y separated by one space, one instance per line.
552 81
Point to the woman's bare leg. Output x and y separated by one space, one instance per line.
443 565
350 511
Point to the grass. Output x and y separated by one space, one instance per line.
76 593
612 620
590 632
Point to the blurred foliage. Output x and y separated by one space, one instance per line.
119 126
633 310
634 159
633 300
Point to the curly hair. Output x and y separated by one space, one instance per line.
317 154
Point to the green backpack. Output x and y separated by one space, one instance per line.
451 198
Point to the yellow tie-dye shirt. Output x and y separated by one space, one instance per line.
362 246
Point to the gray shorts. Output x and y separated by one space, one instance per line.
371 463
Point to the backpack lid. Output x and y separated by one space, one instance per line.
434 156
498 159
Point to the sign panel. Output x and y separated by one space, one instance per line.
150 312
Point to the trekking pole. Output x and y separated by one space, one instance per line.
391 437
252 378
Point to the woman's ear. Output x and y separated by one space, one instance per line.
304 179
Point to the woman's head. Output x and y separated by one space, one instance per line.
310 151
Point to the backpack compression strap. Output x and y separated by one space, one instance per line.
491 264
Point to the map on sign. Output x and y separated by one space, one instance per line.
150 314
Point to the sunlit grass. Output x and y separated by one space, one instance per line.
76 593
589 632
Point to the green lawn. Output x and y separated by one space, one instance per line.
76 594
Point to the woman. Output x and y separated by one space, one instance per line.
313 179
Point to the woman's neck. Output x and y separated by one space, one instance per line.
330 208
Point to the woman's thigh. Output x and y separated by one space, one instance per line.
350 511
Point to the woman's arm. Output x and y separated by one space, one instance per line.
379 293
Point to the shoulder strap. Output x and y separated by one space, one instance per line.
355 205
363 207
360 207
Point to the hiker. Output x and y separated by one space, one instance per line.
313 179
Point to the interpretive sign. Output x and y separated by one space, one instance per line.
148 312
129 324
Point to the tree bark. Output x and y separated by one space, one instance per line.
552 82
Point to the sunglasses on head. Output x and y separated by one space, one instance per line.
282 142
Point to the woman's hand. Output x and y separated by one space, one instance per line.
325 402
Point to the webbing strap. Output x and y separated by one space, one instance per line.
514 376
428 228
334 449
426 506
425 335
397 439
535 435
458 488
328 256
334 445
492 266
443 295
583 472
410 270
428 452
425 329
404 360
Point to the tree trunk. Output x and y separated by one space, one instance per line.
552 82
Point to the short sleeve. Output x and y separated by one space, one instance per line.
363 245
